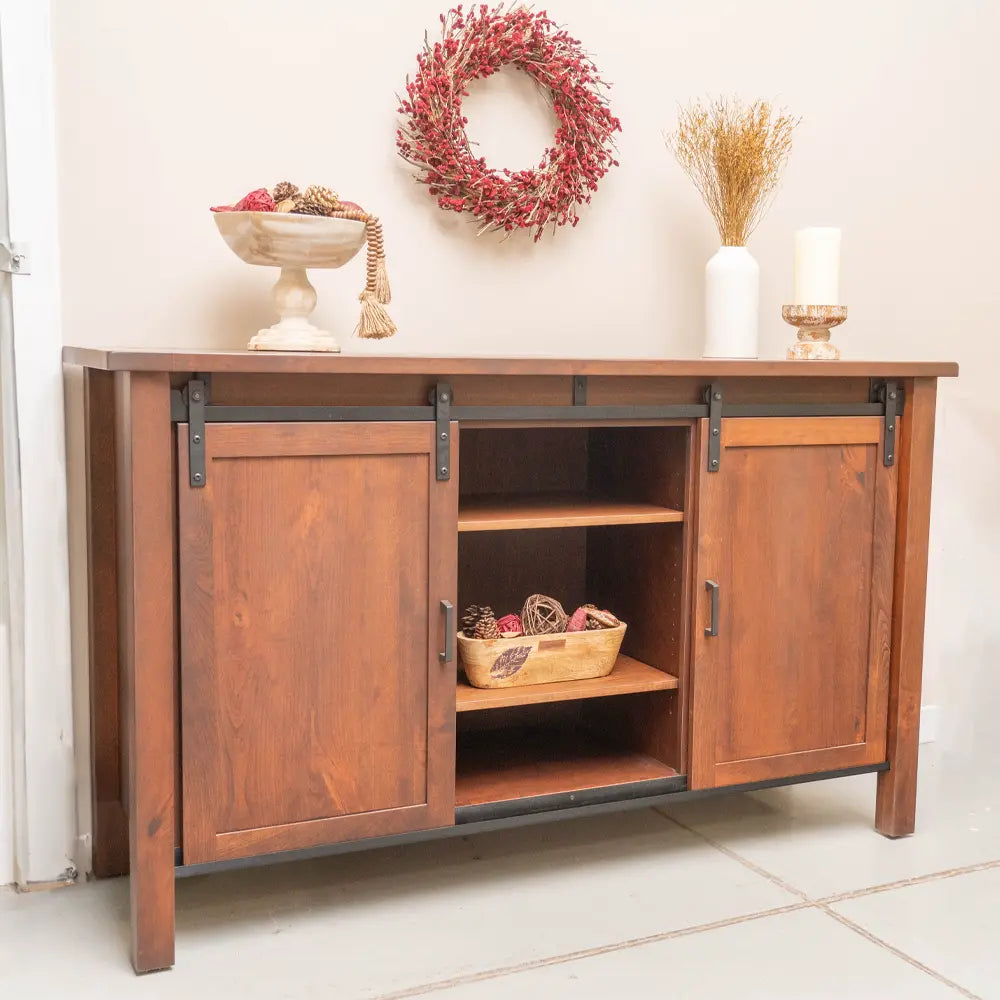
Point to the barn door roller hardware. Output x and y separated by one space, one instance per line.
440 399
890 395
196 397
713 396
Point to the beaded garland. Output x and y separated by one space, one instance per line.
431 134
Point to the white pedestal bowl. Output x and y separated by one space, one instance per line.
293 243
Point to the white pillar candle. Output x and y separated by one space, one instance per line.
817 266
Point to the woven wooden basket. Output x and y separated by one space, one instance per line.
540 659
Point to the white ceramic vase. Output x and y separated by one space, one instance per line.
732 300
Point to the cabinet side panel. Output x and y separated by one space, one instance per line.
110 822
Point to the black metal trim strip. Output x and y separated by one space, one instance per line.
525 817
623 793
296 414
226 414
582 413
803 410
651 788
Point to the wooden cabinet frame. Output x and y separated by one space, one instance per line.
132 452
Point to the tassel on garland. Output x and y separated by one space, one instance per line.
375 323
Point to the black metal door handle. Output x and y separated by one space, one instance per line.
713 588
449 633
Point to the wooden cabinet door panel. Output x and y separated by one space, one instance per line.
314 706
797 529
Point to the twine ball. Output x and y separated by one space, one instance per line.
543 615
255 201
577 621
510 625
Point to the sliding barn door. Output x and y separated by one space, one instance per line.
315 706
792 628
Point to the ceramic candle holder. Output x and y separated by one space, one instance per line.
293 243
814 324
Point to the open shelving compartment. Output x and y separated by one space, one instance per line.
583 513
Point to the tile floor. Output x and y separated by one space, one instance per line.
780 894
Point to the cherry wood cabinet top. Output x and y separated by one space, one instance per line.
274 362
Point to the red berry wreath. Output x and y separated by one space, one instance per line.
431 135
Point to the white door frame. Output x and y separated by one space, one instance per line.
40 747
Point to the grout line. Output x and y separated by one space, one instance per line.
806 902
824 904
575 956
905 882
836 897
745 862
892 949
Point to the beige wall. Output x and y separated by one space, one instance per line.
166 108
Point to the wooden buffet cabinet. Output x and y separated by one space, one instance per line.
278 544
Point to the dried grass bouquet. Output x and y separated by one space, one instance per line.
734 153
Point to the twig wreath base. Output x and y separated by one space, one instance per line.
431 134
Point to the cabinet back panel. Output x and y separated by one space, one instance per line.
502 568
523 460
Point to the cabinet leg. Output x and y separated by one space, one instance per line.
146 606
896 799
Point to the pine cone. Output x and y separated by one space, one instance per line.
283 190
308 208
486 627
322 196
470 618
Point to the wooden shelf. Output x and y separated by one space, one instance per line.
505 764
510 512
628 677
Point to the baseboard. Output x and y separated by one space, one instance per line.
930 723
